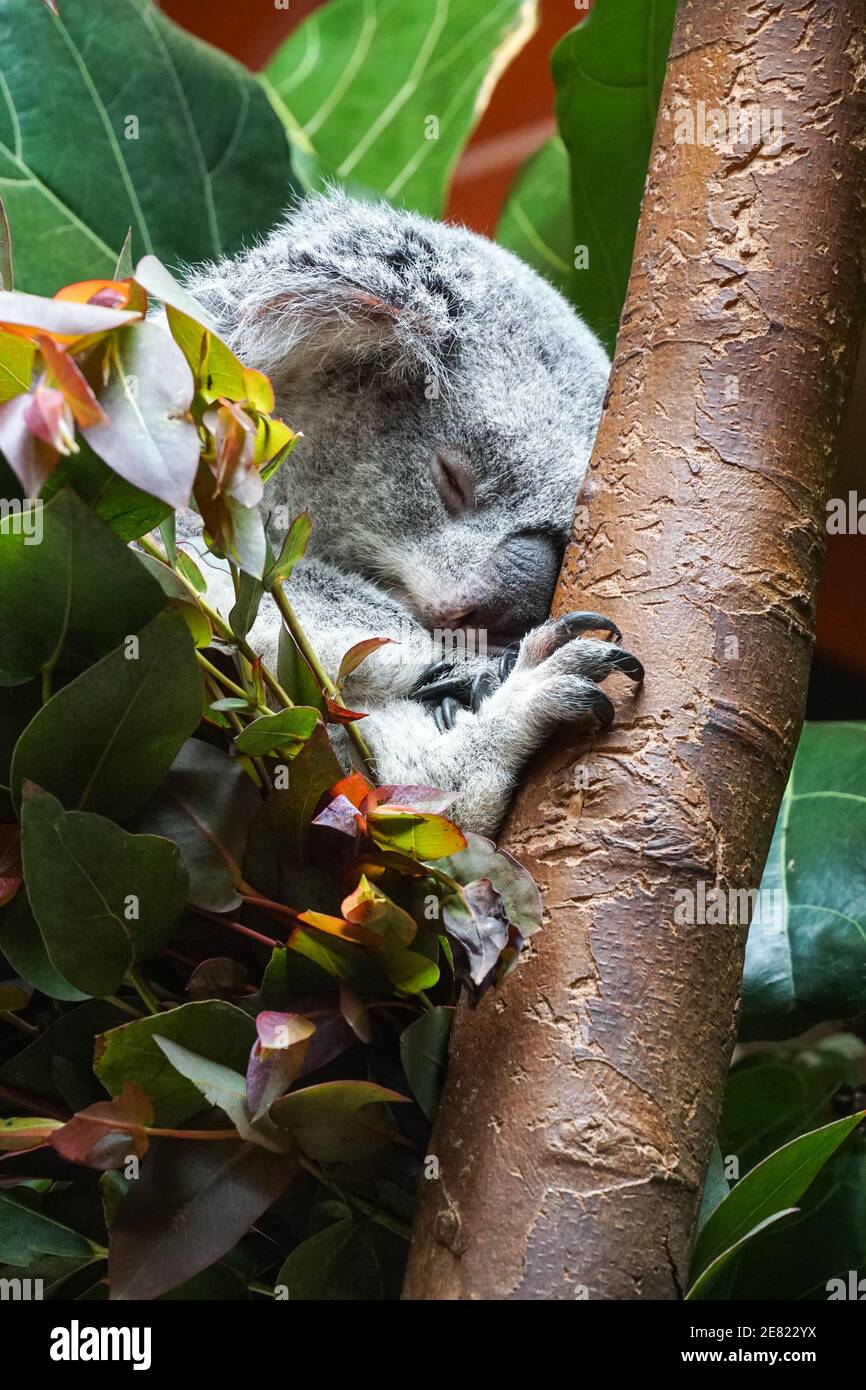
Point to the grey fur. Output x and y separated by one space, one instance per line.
393 340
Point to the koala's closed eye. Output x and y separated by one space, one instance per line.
454 483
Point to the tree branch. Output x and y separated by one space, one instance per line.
582 1102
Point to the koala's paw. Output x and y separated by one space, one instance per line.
552 676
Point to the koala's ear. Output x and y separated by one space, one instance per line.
290 321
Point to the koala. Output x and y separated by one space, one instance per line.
448 398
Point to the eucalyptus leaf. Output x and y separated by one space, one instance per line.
130 713
424 1054
26 1232
536 218
80 868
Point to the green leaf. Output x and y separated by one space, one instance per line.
609 72
703 1285
129 512
514 883
357 83
77 172
535 222
314 1266
281 829
79 869
773 1186
206 806
337 1121
413 833
149 437
218 1085
73 616
246 605
16 365
295 675
212 1029
292 550
25 1233
806 952
57 1066
716 1186
286 732
191 1205
23 947
424 1054
130 715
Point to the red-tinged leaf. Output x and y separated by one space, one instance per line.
66 375
191 1205
359 652
353 1009
28 315
90 1136
342 815
25 1133
30 458
276 1059
476 920
338 926
409 798
368 904
234 436
106 294
10 862
48 416
338 714
150 439
52 6
417 835
354 788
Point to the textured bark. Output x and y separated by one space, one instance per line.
582 1098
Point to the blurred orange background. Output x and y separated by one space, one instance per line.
518 120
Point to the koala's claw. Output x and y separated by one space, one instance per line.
432 692
445 714
630 666
603 709
505 664
482 686
573 623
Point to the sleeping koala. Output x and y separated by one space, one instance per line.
448 398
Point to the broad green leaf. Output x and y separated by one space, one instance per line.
57 1066
703 1287
716 1186
139 125
353 965
73 617
16 365
246 606
20 1132
352 1260
771 1097
295 675
212 1029
424 1054
191 1205
535 222
129 512
806 952
314 1267
81 869
514 883
206 805
25 1232
387 94
282 827
284 733
773 1186
131 714
22 945
609 72
337 1121
149 438
218 1085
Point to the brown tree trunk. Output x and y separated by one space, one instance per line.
582 1098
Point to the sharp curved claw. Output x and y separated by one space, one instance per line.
482 686
449 708
457 686
630 666
433 673
591 622
439 719
507 660
603 709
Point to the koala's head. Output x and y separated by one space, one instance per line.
448 397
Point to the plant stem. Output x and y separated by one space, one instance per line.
226 681
20 1023
136 977
326 685
237 725
45 1109
122 1005
268 941
368 1209
220 626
